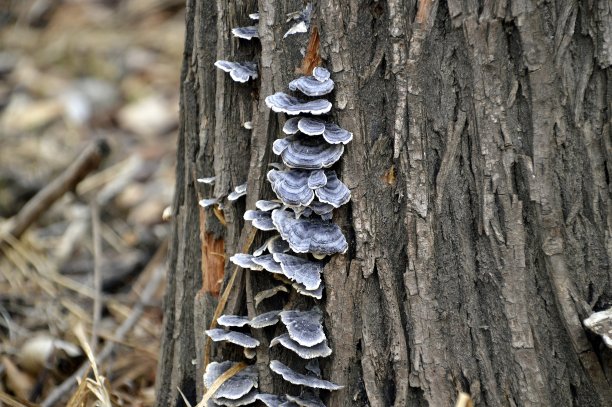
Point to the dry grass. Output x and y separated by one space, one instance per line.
71 71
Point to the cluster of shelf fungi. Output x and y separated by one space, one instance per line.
303 236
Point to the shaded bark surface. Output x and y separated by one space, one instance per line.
480 224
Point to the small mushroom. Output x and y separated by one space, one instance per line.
271 400
246 33
304 327
309 235
291 187
309 153
317 179
233 320
316 293
207 180
245 261
239 191
282 103
264 205
302 271
334 192
266 319
311 86
261 220
301 379
305 352
320 73
268 263
239 72
236 386
307 399
237 338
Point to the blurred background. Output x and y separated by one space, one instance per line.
87 276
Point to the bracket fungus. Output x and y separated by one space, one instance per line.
304 327
280 102
239 72
207 180
245 261
266 319
312 126
309 153
261 220
311 86
309 235
268 263
301 379
271 400
320 73
291 187
246 33
239 191
302 271
316 293
236 386
334 192
233 320
274 244
601 324
206 202
317 179
248 398
303 21
264 205
237 338
320 350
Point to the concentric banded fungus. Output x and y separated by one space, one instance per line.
317 179
246 33
334 192
260 219
268 263
282 103
302 271
304 327
239 72
291 187
309 235
320 73
312 126
237 338
305 352
239 191
266 319
300 379
236 386
264 205
245 261
233 320
307 399
311 86
309 153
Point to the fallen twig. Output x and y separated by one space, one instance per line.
87 161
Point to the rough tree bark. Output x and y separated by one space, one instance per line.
480 226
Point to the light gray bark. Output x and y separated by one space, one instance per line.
480 226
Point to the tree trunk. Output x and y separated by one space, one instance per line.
480 225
